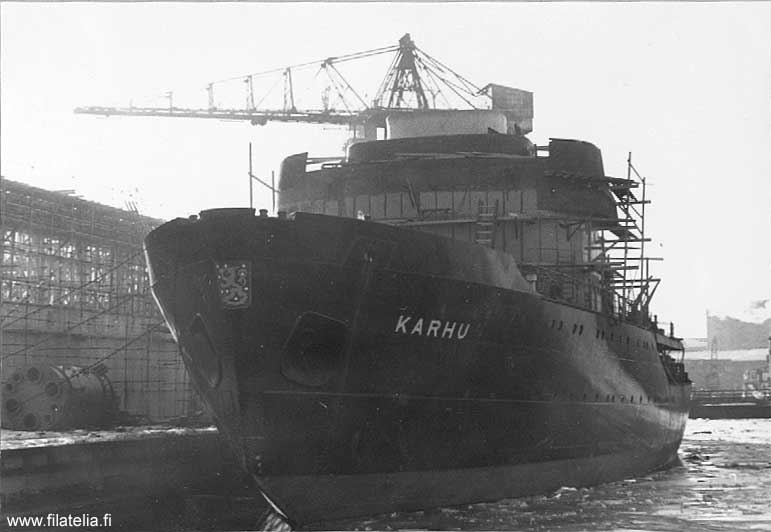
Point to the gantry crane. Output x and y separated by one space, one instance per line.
414 82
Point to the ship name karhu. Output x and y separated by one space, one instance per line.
436 328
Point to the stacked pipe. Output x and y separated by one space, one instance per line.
44 397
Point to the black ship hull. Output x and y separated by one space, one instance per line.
359 368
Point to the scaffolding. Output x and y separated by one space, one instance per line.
620 250
613 276
74 291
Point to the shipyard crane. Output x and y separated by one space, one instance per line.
414 82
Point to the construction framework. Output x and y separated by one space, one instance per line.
620 280
74 291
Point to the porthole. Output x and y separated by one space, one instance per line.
52 389
33 374
12 406
30 422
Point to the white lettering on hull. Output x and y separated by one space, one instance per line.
447 330
401 324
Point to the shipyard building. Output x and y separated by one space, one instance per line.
74 292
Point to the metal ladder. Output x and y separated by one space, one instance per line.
486 221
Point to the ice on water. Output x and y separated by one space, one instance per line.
722 484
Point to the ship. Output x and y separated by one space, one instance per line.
446 314
753 400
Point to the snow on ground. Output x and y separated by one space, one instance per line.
18 439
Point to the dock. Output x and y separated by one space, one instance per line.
729 404
152 477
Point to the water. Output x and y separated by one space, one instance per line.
722 484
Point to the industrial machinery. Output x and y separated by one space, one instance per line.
44 397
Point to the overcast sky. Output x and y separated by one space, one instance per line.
685 87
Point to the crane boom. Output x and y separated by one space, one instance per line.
412 76
255 116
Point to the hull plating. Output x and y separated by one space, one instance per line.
377 368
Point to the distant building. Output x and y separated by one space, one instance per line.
721 374
732 333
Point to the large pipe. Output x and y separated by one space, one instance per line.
43 397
